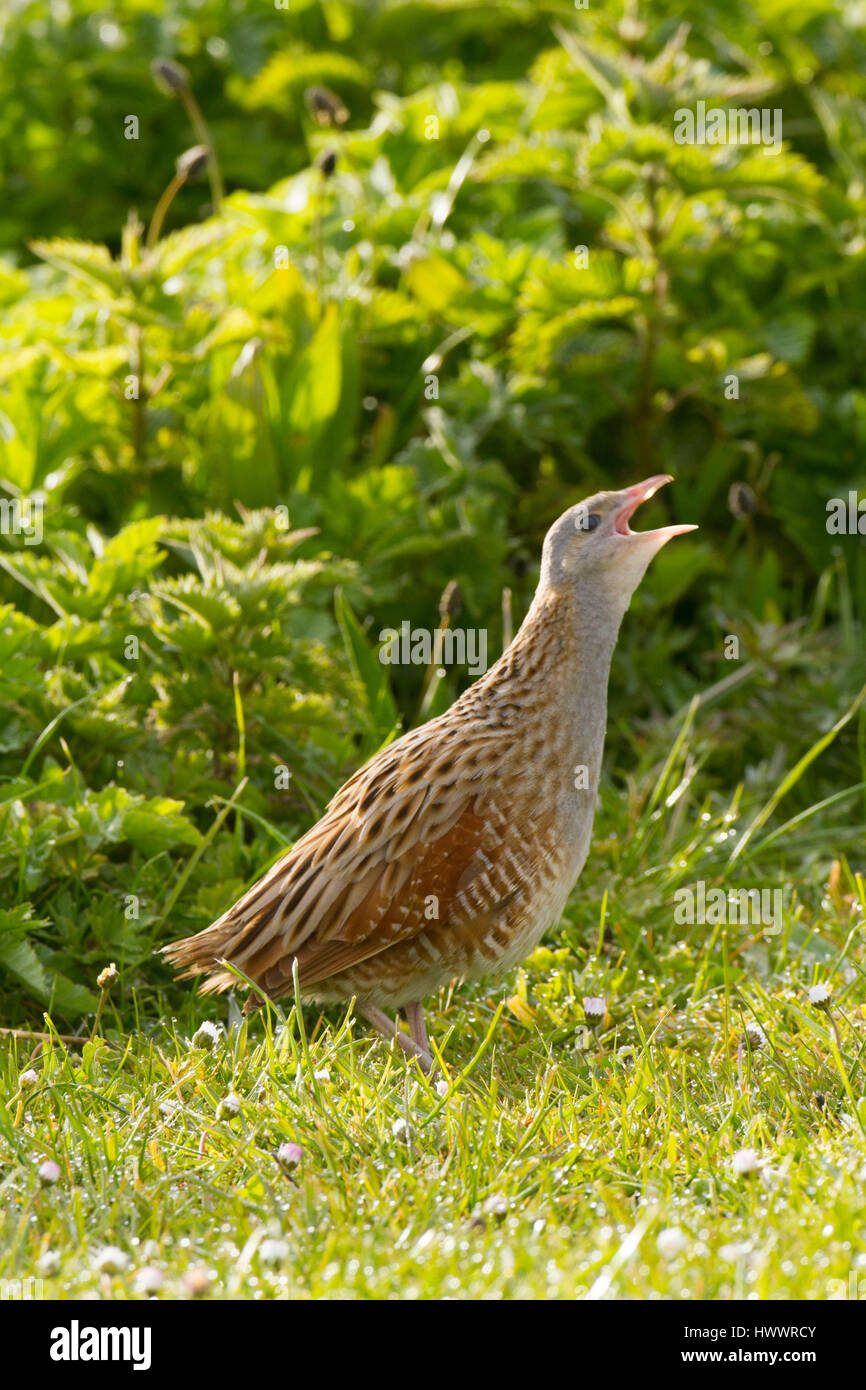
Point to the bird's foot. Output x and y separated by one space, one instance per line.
415 1045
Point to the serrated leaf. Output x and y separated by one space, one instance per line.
84 259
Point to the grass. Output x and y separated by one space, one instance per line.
545 1160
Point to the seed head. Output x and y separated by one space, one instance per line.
451 601
193 161
169 76
326 163
741 500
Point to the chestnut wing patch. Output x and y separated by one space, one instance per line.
451 881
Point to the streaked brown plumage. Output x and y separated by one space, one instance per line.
453 850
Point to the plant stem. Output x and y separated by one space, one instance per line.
507 619
200 127
139 432
161 209
27 1035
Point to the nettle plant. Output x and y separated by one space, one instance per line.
511 288
146 681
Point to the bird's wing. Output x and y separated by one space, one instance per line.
417 825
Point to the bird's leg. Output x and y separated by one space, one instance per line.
392 1030
417 1029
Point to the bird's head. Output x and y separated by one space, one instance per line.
592 545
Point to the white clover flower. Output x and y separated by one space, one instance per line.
111 1260
196 1281
754 1036
149 1279
594 1010
672 1241
274 1252
745 1162
229 1106
206 1036
289 1156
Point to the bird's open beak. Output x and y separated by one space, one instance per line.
642 492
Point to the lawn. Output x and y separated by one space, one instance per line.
703 1139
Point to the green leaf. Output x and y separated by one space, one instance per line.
83 259
17 956
313 389
159 825
381 712
435 282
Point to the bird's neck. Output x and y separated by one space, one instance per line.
573 633
562 654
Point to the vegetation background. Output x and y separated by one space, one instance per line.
376 361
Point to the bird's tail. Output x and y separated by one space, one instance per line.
237 936
204 953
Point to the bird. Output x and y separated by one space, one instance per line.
455 848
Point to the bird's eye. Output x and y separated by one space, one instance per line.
590 522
